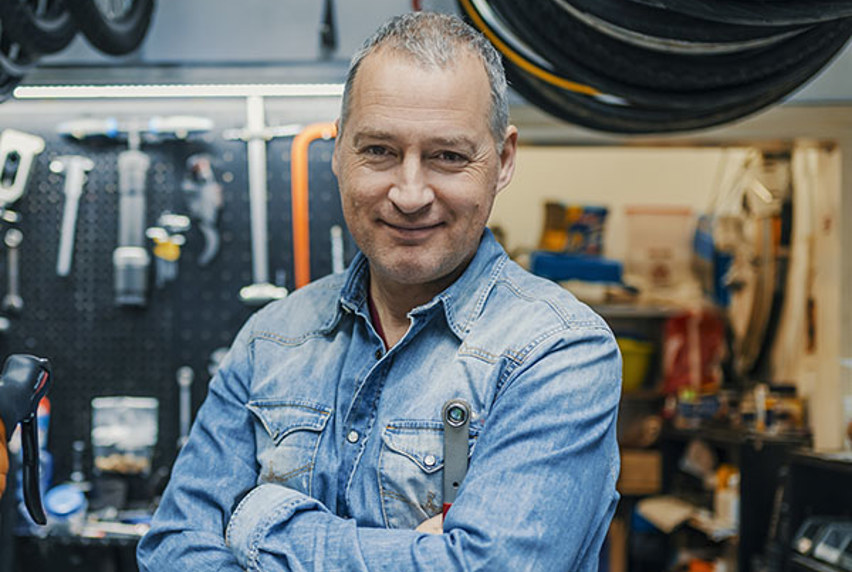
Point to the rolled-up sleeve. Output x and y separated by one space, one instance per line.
216 467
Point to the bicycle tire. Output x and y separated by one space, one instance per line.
46 32
115 37
558 36
570 69
788 12
668 25
8 83
577 72
15 60
630 120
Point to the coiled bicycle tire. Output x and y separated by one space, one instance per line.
113 36
758 13
665 24
40 29
558 37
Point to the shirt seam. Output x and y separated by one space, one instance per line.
529 349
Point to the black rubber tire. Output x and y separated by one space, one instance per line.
665 24
38 33
603 116
114 37
15 60
558 37
658 97
8 83
758 13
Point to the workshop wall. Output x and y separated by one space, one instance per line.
100 349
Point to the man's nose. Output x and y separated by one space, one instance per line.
411 192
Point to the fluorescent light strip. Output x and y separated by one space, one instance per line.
177 91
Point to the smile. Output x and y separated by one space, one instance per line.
413 231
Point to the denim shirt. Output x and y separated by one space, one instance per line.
319 449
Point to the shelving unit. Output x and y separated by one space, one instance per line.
759 458
818 484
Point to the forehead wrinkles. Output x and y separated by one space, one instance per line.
387 85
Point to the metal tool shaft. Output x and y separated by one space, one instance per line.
256 148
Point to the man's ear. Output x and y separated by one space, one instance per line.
507 158
336 146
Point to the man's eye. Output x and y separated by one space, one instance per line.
376 151
451 157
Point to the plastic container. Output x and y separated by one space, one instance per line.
635 361
65 506
573 229
124 433
659 254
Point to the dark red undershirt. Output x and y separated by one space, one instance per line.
374 317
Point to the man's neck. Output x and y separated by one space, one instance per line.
393 301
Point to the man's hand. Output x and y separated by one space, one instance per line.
4 458
434 525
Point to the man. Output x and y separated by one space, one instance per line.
319 446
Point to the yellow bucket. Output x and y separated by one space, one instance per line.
635 362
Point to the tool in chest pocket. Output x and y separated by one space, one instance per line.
456 417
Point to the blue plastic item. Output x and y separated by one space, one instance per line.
558 267
63 501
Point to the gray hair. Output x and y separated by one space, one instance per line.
433 40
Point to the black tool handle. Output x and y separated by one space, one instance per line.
25 379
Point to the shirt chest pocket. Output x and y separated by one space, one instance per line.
411 467
287 436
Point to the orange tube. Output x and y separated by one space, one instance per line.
299 197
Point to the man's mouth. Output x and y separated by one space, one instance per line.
412 231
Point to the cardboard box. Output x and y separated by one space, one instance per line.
641 472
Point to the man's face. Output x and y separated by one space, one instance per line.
417 166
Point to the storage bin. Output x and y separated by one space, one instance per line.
635 361
659 253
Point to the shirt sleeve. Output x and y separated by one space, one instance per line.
215 468
539 493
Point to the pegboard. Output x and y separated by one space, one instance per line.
99 349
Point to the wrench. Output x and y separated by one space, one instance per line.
75 168
185 375
17 152
255 134
204 198
12 301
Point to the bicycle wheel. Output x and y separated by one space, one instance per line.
40 26
115 27
752 13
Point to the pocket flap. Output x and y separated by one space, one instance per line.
281 418
421 441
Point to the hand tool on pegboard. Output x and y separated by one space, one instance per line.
12 302
185 376
204 199
17 153
75 168
25 379
256 133
130 258
168 237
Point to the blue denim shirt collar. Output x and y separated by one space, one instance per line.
462 301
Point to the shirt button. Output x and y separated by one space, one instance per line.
353 436
429 461
378 354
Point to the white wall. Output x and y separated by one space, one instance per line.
607 176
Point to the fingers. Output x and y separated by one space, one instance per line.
434 525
